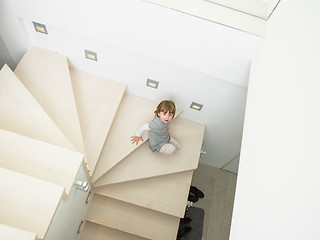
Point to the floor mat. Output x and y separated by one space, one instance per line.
197 216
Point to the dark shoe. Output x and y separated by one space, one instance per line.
183 231
185 220
196 192
193 198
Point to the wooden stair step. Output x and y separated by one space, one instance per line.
143 163
93 231
97 100
132 113
39 159
11 233
132 219
46 76
167 194
22 114
28 203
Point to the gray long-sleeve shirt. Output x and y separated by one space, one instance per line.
158 133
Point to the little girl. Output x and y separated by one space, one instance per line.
159 138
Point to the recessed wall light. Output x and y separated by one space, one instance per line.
40 27
196 106
152 83
91 55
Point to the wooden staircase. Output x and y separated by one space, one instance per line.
53 119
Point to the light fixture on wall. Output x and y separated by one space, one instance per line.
91 55
152 83
202 153
82 185
196 106
40 27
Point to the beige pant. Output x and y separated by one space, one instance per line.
170 147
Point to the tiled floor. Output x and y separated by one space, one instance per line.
218 186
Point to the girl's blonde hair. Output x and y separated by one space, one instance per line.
166 106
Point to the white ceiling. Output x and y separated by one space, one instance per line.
258 8
246 15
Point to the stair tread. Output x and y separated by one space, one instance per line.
132 219
46 76
143 163
167 194
39 159
22 114
7 232
132 113
97 100
93 231
28 203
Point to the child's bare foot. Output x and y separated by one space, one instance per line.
175 143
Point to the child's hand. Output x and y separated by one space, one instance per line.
136 139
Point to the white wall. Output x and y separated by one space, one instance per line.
232 166
70 212
145 28
193 59
5 56
278 194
